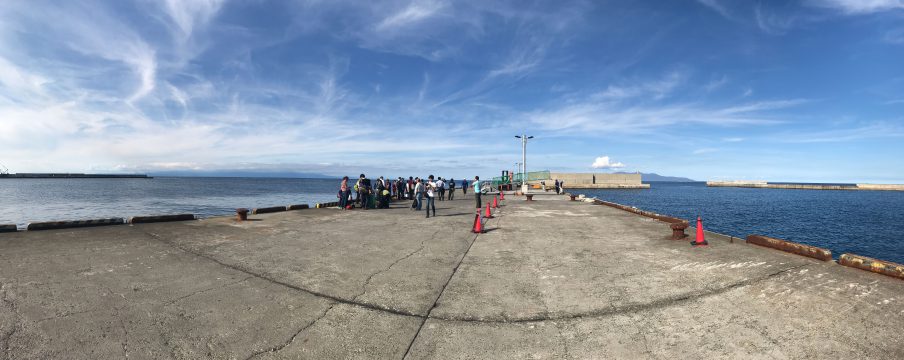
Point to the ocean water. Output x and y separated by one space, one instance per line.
868 223
31 200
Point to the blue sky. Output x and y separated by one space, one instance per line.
708 89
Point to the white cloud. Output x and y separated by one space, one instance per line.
603 162
716 6
860 6
415 12
187 14
715 84
657 89
771 22
895 36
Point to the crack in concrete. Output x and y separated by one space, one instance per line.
157 237
168 303
564 342
125 337
17 318
654 305
65 315
604 312
279 348
369 278
438 296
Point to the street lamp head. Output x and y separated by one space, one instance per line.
518 136
530 137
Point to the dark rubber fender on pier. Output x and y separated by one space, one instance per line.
53 225
266 210
160 218
791 247
886 268
8 228
298 207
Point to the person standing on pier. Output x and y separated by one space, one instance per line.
363 187
431 196
476 191
557 186
418 193
441 189
451 188
343 193
464 187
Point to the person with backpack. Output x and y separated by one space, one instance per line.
451 188
441 189
364 191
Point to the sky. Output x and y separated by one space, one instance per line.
809 90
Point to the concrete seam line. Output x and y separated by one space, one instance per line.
291 286
443 290
659 304
279 348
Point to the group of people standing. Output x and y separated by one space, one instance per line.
380 192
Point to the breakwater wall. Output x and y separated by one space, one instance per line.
597 181
768 185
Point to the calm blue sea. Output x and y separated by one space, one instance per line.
869 223
29 200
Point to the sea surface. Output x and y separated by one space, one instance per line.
31 200
868 223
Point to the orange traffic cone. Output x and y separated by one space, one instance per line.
489 214
701 240
478 227
501 196
495 202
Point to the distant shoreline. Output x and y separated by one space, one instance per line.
72 176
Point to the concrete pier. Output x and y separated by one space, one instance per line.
549 279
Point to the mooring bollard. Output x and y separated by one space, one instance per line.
241 214
678 230
530 197
574 197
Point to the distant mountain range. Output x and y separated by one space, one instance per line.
657 177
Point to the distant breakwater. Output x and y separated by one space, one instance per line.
769 185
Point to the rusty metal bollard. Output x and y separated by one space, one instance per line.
530 197
573 197
678 230
241 214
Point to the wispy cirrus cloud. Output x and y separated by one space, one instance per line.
860 6
716 6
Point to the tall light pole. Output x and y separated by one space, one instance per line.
524 139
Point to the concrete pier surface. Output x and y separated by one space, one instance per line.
550 279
